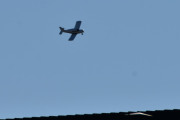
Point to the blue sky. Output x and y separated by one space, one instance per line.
127 60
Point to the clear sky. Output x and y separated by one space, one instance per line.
127 60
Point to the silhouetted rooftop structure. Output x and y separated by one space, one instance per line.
139 115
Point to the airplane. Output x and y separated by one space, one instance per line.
73 31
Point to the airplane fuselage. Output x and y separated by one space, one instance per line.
73 31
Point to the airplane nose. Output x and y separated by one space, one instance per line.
82 32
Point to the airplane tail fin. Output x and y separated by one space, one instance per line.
62 29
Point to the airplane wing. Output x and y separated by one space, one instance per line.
78 24
72 37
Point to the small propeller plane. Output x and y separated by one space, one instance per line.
73 31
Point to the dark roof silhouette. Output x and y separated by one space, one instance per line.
139 115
